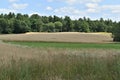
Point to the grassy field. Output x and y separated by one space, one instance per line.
68 45
31 60
60 37
62 67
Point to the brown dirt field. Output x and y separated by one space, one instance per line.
60 37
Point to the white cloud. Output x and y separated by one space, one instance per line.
13 0
50 0
112 8
4 10
68 11
19 6
92 1
72 2
95 8
116 11
49 8
110 16
92 10
34 13
41 14
91 5
96 1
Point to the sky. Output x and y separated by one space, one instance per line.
94 9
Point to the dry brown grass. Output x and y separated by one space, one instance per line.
60 37
18 62
10 50
21 62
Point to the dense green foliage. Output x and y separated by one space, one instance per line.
116 32
21 23
62 67
69 45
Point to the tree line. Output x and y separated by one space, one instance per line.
21 23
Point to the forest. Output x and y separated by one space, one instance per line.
21 23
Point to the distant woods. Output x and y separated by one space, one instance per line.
21 23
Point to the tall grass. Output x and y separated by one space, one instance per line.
62 67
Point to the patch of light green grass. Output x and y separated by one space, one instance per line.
69 45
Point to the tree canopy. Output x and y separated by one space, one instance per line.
21 23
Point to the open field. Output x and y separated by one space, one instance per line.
60 37
59 61
67 45
25 63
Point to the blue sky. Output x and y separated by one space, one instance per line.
93 9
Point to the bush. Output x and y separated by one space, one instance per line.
116 33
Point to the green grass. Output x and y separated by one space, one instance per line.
68 45
62 67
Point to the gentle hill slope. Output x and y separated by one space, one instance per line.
60 37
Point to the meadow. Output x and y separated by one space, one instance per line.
67 45
34 60
60 37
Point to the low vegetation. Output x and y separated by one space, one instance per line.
35 60
64 66
68 45
60 37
